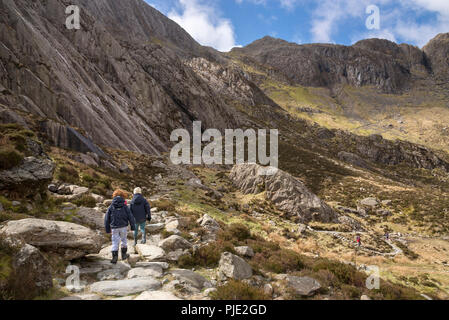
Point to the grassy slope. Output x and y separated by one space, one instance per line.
419 115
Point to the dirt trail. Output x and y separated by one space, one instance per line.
396 249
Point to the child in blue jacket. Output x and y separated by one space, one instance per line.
116 222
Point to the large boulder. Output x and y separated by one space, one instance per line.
67 239
232 266
174 243
28 274
285 191
32 171
125 287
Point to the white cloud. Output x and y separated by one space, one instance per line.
201 21
286 4
396 23
420 33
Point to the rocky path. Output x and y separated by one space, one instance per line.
340 236
149 273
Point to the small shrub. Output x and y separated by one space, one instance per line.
86 201
344 274
237 290
236 231
396 292
278 261
68 174
207 256
9 157
164 205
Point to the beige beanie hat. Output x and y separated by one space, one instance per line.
137 191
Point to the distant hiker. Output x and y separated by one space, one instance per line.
141 210
116 221
387 236
359 240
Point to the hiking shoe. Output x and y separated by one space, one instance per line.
114 257
124 253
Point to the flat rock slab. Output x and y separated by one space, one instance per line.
110 274
88 296
153 271
194 279
125 287
150 252
104 264
143 264
157 295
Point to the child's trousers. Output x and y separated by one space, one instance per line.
142 229
117 236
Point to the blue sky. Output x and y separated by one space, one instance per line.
224 24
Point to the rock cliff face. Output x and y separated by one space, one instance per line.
374 62
438 52
121 79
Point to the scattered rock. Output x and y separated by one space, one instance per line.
245 251
143 264
192 278
176 254
353 159
303 286
369 202
384 212
89 217
208 223
365 297
52 188
124 168
195 183
234 267
268 289
354 224
140 272
98 198
111 274
150 252
175 242
155 227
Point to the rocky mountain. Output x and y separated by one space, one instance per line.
372 87
123 80
84 112
380 63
